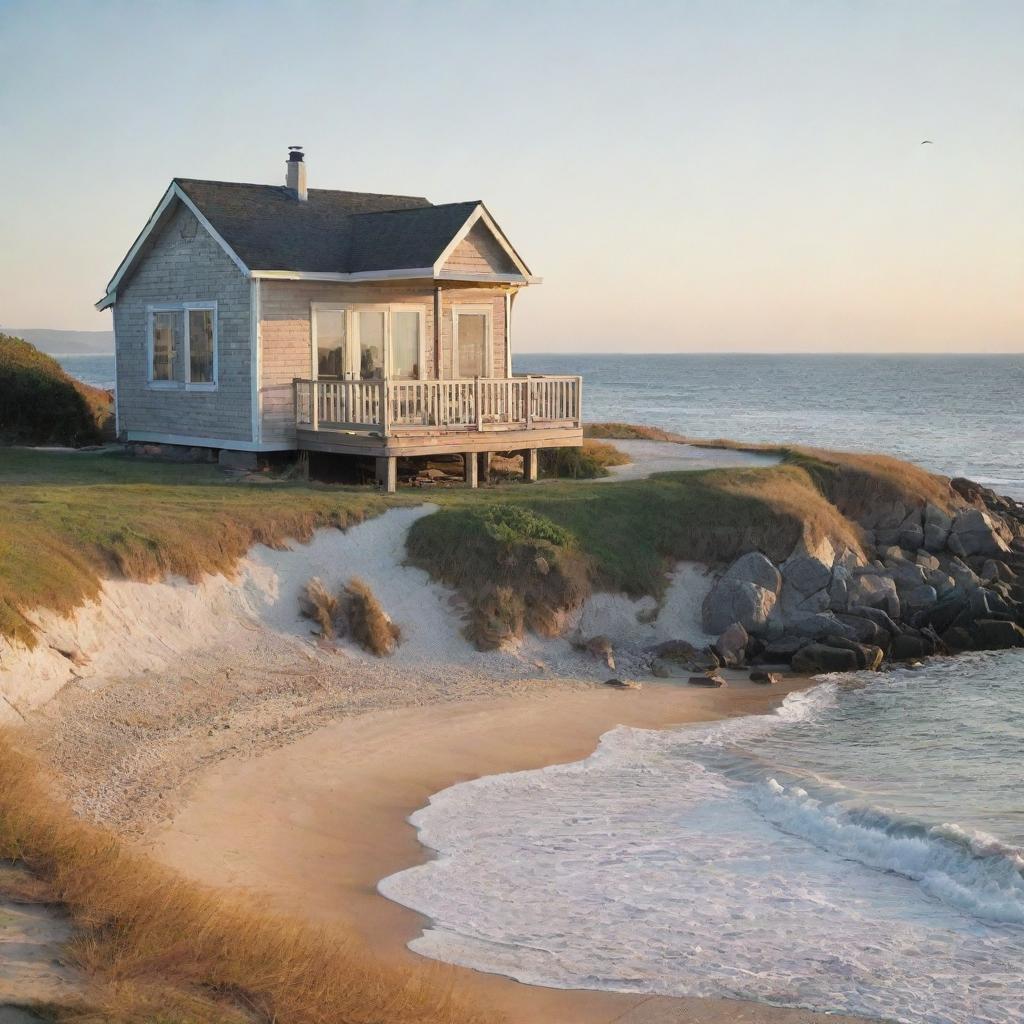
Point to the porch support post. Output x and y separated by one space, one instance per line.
471 477
387 473
484 466
531 465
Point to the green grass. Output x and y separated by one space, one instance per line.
66 520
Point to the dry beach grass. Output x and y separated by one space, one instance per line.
157 946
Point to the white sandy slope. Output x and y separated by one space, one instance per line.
647 457
140 630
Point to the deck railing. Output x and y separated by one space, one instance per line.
480 403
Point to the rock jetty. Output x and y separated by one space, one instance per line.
926 580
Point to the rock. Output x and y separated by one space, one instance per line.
731 646
818 625
975 533
622 684
906 575
601 647
765 678
868 655
875 591
992 569
708 680
541 564
936 528
781 651
815 659
805 572
839 589
876 615
732 600
912 531
919 599
942 582
996 634
754 567
908 647
958 639
866 631
960 571
942 615
662 669
926 560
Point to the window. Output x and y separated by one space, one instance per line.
166 345
183 346
405 344
472 337
367 342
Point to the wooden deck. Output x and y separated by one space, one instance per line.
389 419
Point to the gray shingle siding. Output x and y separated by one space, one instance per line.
179 268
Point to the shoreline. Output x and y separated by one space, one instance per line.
312 827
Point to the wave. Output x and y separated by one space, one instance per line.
968 870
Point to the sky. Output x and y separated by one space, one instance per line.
688 176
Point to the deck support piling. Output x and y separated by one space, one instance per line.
531 465
387 473
470 468
484 467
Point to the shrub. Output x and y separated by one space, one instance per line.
586 463
41 404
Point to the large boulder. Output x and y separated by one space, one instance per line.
875 591
733 600
754 567
815 659
919 599
878 616
906 575
911 647
808 571
865 630
731 646
818 624
936 527
869 656
912 531
974 532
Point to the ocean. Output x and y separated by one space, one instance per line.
958 415
861 850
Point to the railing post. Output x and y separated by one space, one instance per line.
579 401
529 402
385 407
314 404
477 390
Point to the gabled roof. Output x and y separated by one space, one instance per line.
333 235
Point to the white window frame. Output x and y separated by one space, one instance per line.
475 309
349 309
182 385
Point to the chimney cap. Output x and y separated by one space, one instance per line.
295 154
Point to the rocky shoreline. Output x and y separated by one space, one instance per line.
926 581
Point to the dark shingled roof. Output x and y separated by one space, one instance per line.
332 232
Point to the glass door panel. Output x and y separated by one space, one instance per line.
471 338
331 345
371 327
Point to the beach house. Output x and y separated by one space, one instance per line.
253 319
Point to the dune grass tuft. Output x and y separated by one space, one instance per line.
589 462
158 947
368 623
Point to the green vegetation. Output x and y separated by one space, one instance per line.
159 949
66 520
41 404
586 463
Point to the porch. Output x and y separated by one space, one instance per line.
387 419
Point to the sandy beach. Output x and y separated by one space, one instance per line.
314 825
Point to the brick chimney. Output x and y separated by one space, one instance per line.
295 175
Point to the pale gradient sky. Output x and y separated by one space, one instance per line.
685 176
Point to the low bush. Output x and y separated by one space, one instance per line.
368 623
587 463
41 404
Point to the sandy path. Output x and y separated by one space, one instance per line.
650 457
315 825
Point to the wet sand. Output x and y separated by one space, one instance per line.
313 826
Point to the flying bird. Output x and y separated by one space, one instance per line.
927 142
